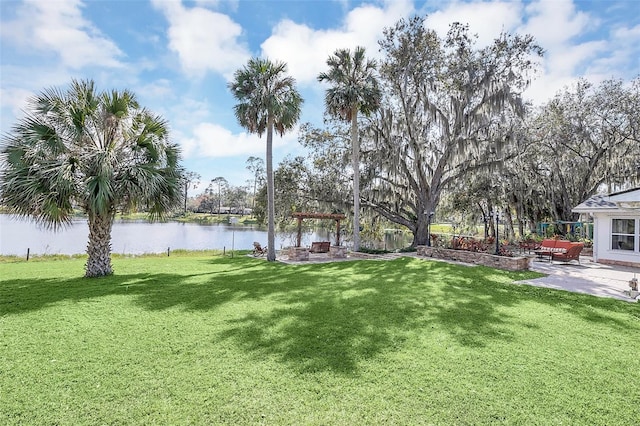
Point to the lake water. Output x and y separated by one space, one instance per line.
136 237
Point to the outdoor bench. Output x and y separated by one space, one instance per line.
562 250
572 253
320 247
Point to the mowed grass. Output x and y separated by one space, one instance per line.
202 339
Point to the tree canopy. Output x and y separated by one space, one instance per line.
448 109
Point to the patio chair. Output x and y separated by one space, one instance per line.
258 250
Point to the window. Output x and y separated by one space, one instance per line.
623 234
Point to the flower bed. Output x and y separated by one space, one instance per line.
478 258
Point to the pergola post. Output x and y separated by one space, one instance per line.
299 240
307 215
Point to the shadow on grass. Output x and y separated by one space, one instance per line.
326 316
153 291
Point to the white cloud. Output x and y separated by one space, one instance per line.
188 112
620 57
555 23
214 140
231 4
367 21
17 88
208 3
305 50
628 34
13 101
158 89
544 88
58 27
567 62
203 39
486 19
557 26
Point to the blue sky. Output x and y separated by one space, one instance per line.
179 55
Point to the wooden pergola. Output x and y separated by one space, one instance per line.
307 215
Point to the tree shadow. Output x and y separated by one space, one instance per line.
327 317
474 299
340 322
153 291
361 310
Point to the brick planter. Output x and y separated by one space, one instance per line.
486 259
338 252
298 253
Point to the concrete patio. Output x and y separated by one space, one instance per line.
587 277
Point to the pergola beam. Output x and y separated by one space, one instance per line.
309 215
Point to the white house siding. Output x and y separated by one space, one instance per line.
602 250
605 208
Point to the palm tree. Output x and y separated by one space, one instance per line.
354 89
267 99
96 151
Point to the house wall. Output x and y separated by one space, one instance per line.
602 250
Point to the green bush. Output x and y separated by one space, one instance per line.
408 250
372 251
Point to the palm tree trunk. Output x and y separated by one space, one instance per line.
99 246
271 235
186 189
355 153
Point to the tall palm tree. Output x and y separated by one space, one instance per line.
354 88
267 99
96 151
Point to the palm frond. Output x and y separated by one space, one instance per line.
263 90
354 85
71 148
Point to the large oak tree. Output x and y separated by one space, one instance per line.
447 111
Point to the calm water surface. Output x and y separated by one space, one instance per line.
136 237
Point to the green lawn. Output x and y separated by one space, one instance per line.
201 339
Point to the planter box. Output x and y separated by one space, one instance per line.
486 259
338 252
298 253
